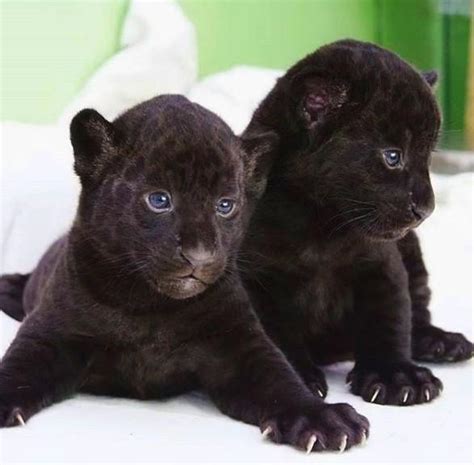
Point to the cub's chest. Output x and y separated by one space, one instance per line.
324 290
158 367
149 356
324 293
159 337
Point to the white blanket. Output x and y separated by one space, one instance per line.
38 198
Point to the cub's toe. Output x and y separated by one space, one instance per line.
327 427
395 384
435 345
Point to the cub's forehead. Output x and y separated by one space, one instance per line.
197 164
404 111
185 147
396 97
400 100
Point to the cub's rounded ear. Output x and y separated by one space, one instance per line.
93 139
260 148
319 99
431 77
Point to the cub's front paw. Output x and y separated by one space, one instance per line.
11 416
402 383
324 427
432 344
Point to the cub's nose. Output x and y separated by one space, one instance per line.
421 212
198 256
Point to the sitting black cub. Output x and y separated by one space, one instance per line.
142 298
336 269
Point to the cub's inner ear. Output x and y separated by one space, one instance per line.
93 140
260 148
431 77
321 98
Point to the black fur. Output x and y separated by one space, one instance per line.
336 269
137 303
11 294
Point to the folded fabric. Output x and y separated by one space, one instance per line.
159 56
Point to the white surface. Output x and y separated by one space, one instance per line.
38 197
235 94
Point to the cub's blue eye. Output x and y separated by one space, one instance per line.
225 207
159 201
392 157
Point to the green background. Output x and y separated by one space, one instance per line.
51 47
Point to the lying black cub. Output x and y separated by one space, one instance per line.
336 269
142 297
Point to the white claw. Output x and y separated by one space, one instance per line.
320 393
427 395
364 439
375 394
343 445
20 419
268 430
405 397
349 383
311 442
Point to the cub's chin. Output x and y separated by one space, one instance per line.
182 288
389 235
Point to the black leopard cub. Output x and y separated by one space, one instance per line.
142 297
336 271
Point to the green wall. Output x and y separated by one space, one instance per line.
49 49
454 79
274 33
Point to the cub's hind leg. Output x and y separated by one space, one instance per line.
429 343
